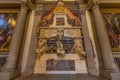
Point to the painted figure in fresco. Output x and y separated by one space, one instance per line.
119 40
7 25
112 34
41 48
117 23
60 49
78 49
113 29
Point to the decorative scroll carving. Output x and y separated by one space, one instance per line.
41 48
69 32
78 49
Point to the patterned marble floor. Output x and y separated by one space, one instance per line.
58 77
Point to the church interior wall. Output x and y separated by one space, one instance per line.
3 52
27 54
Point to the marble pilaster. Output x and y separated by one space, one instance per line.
17 40
103 40
29 54
27 41
87 41
93 42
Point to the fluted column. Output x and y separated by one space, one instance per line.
103 40
87 41
17 39
27 41
29 54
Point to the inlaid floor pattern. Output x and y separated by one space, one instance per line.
59 77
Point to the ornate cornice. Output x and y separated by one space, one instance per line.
116 54
109 1
103 4
9 1
110 5
9 6
15 4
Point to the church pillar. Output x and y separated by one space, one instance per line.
29 54
92 38
105 48
87 41
16 41
26 54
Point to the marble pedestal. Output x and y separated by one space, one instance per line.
40 65
107 74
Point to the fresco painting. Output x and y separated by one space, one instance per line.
112 22
7 26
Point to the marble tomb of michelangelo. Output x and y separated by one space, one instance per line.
59 39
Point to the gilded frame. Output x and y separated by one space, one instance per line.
111 12
11 18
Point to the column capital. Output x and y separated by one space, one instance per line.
92 4
82 8
24 5
38 9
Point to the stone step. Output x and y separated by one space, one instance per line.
60 77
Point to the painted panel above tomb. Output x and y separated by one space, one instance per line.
7 26
60 16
